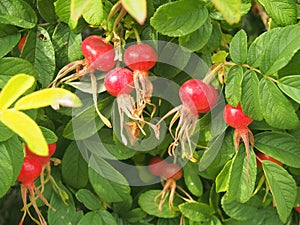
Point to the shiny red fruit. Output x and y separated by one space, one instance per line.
119 81
140 57
156 165
261 156
42 159
235 117
98 53
21 43
171 171
297 208
31 169
198 96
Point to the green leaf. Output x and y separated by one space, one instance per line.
94 13
40 52
250 99
77 8
292 67
98 218
283 188
238 47
10 66
15 87
47 10
196 211
18 13
281 146
214 40
26 128
11 159
136 9
282 12
47 97
89 199
109 184
242 177
281 47
74 167
230 9
222 180
5 132
290 85
62 10
146 201
179 18
49 135
192 179
9 38
277 110
233 88
197 39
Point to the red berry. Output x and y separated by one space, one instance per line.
42 159
119 81
98 53
22 42
31 169
297 208
171 171
140 57
198 96
235 117
261 156
156 165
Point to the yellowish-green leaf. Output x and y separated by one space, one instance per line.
136 9
14 88
230 9
77 8
47 97
26 128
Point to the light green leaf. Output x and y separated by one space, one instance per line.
9 38
98 218
290 85
26 128
222 180
94 13
233 88
47 97
89 199
77 8
277 110
109 184
230 9
136 9
74 167
283 12
250 99
47 10
49 135
197 39
179 18
242 177
238 47
196 211
18 13
146 201
40 52
62 10
192 179
283 188
15 87
281 146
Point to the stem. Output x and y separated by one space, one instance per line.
137 35
211 74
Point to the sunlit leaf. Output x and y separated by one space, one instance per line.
230 9
77 7
137 9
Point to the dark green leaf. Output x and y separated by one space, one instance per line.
282 12
196 211
108 183
98 218
74 167
192 179
179 18
292 67
40 52
214 40
250 99
47 10
238 47
290 85
197 39
230 9
89 199
283 188
281 146
233 88
9 37
277 110
18 13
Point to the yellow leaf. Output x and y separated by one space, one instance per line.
14 88
137 9
26 128
47 97
230 9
